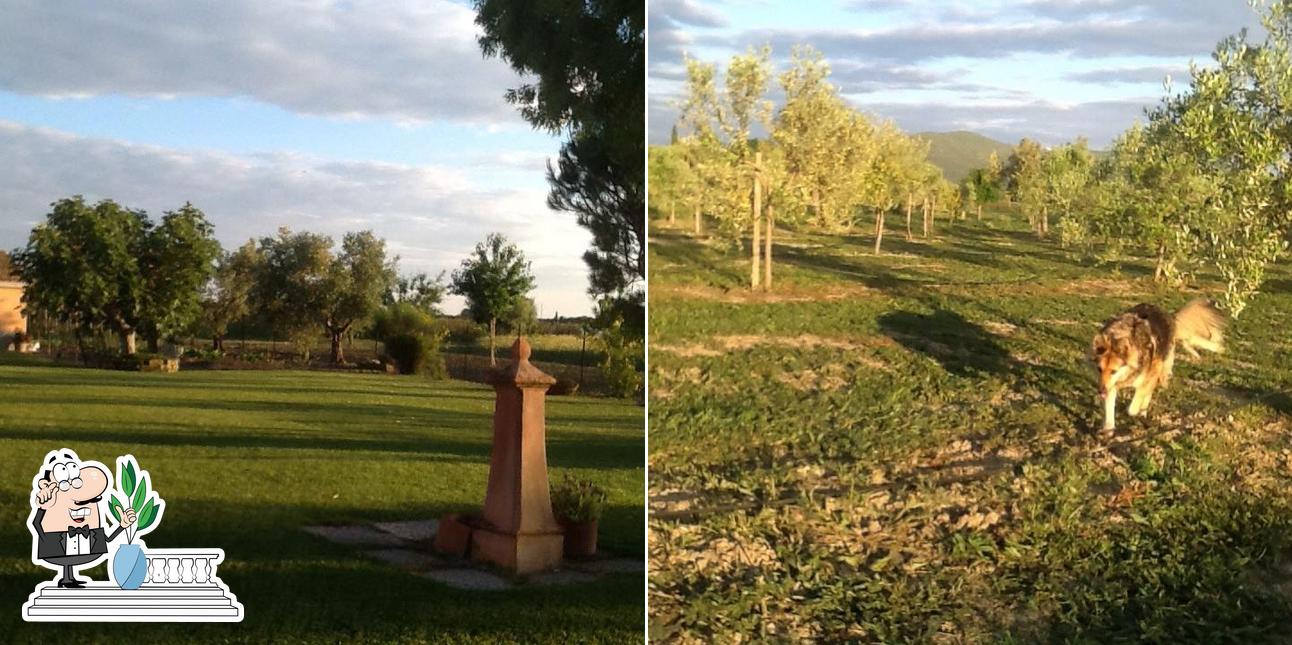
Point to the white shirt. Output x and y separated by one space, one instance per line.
78 545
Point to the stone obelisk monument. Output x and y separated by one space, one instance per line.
518 531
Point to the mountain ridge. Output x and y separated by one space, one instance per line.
960 151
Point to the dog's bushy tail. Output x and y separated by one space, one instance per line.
1200 325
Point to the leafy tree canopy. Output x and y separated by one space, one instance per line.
587 60
494 280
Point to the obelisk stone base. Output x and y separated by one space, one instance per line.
522 553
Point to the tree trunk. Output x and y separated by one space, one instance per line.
879 229
979 212
1159 270
493 330
217 342
767 249
754 273
80 346
672 212
697 220
153 345
910 200
1045 220
127 336
338 349
926 217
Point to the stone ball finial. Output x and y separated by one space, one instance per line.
520 350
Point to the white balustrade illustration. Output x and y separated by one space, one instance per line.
182 585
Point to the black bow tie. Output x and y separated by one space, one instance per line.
83 531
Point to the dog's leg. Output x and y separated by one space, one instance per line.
1143 396
1148 398
1188 348
1137 401
1110 407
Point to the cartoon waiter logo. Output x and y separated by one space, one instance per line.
66 522
69 534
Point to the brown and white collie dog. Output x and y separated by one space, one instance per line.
1137 349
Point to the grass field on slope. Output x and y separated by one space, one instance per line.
905 447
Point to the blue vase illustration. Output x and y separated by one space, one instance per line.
129 566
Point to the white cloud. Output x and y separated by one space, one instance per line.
432 216
406 61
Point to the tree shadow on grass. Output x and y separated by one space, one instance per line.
1278 285
685 250
579 450
297 586
960 346
863 270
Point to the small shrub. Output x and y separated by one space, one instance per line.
622 366
417 354
462 331
564 386
256 356
401 318
114 360
558 328
412 339
578 500
302 341
196 354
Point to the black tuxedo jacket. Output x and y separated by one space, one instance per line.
53 544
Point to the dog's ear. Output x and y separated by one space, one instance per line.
1098 347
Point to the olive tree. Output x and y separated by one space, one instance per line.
494 279
228 295
106 267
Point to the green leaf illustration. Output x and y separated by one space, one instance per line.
115 507
128 479
141 494
148 515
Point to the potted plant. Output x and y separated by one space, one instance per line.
577 504
129 564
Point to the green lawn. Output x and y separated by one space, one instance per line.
565 349
904 448
245 459
550 348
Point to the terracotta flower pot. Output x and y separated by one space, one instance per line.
580 539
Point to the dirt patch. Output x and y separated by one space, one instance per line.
673 500
1100 286
1061 323
1000 328
1027 358
805 341
685 351
660 392
810 381
777 295
664 381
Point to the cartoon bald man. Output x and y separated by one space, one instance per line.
65 521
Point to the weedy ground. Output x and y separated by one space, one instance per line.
905 448
243 460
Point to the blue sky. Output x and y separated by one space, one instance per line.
1047 69
310 114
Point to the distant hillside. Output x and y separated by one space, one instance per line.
956 153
